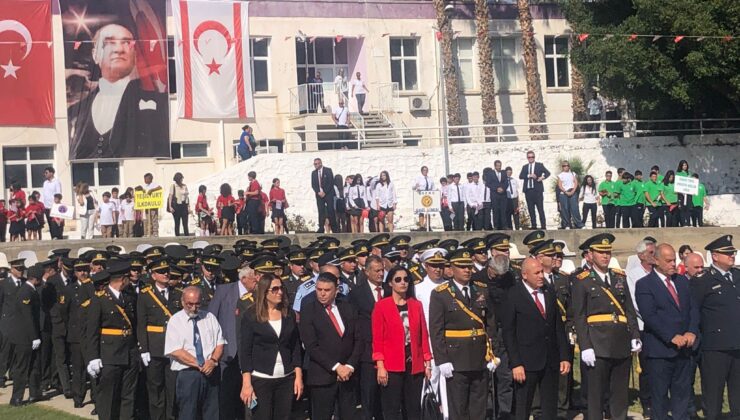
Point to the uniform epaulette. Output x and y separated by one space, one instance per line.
248 296
308 284
585 274
619 271
480 284
442 287
195 281
26 301
285 278
86 281
516 265
85 304
305 278
100 293
145 289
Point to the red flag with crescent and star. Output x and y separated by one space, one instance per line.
26 63
212 59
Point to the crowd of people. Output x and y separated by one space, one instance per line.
378 328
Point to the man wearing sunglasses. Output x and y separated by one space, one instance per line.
532 175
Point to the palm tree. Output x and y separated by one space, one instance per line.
485 68
578 93
535 103
449 69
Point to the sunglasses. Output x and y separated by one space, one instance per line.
276 289
400 280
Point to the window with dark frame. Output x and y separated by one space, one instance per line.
557 69
21 164
404 65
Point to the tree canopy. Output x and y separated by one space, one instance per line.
663 78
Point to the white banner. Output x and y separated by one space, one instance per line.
62 211
214 76
427 202
686 185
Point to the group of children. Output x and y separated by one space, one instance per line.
26 216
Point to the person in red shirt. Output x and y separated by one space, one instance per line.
204 212
225 204
241 215
255 206
34 212
17 223
278 203
16 193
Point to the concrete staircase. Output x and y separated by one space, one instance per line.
379 138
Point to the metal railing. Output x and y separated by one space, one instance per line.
310 98
358 123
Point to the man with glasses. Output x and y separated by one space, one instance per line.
532 175
717 293
195 344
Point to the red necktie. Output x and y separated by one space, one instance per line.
334 320
378 292
539 304
672 291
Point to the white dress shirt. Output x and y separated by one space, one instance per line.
355 192
513 190
455 193
385 194
423 183
127 211
484 193
105 105
540 295
179 336
471 194
50 188
634 274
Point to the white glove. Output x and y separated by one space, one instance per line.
146 358
492 365
35 344
446 369
94 367
636 345
589 357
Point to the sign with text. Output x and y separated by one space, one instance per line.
427 202
686 185
62 211
144 201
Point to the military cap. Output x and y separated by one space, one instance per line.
159 265
35 271
61 252
329 242
297 257
176 251
18 263
449 245
401 241
48 263
81 264
723 245
184 263
360 241
379 241
650 239
153 252
113 249
137 260
391 252
423 246
101 278
68 263
434 256
533 238
316 253
118 268
284 241
545 247
559 247
195 252
461 257
243 242
498 241
212 261
248 251
176 272
272 244
99 257
265 264
475 244
346 254
362 249
213 249
328 258
230 262
601 242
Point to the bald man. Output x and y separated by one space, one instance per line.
694 264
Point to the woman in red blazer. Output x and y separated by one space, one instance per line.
401 348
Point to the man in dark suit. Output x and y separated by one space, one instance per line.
532 175
322 182
224 307
363 298
58 283
25 334
498 183
8 291
331 335
118 118
535 338
671 328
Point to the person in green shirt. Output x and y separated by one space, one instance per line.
700 203
656 169
683 169
627 199
654 203
606 191
640 201
670 198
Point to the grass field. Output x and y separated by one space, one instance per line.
34 412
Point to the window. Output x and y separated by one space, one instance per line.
97 174
260 49
556 61
189 149
171 68
324 55
507 63
24 164
403 63
465 53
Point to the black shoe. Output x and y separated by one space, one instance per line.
79 404
34 400
68 395
16 403
94 412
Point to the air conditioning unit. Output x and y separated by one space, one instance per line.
419 103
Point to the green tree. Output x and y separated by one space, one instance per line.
663 79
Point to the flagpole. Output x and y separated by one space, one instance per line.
222 136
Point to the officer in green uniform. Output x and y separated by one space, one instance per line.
479 251
210 276
461 325
606 327
533 238
297 273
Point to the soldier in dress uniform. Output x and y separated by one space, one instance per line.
462 323
60 350
717 293
606 327
533 238
8 291
362 251
402 243
154 308
210 266
479 251
348 267
112 348
416 268
377 243
73 305
296 275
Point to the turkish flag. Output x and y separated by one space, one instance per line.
214 77
26 65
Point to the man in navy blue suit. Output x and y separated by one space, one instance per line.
671 328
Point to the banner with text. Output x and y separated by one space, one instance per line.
144 201
427 202
686 185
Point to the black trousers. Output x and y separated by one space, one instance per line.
160 386
466 395
26 371
655 216
612 375
60 357
684 215
638 215
618 216
241 222
626 213
230 404
511 206
402 397
697 216
274 398
504 382
78 372
325 397
180 214
500 207
718 368
671 216
458 222
197 394
535 202
55 231
446 219
644 380
370 392
485 214
546 381
670 375
589 208
7 349
610 215
325 206
472 221
3 231
116 395
253 216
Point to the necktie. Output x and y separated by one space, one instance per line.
466 295
426 180
550 279
378 293
485 194
672 291
531 171
511 190
334 320
728 276
539 304
165 294
197 343
498 176
320 189
458 192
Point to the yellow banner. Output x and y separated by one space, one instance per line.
144 201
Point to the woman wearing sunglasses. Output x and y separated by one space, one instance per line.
400 348
270 353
